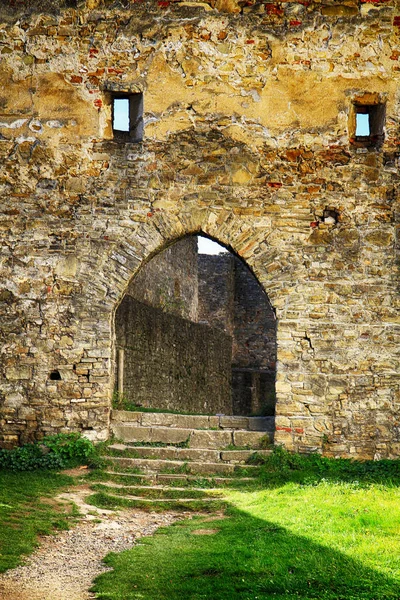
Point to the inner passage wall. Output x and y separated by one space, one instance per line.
232 300
171 363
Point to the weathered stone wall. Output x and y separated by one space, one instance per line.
249 125
172 363
216 290
170 280
254 339
254 347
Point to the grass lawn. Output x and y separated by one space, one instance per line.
305 528
27 510
287 540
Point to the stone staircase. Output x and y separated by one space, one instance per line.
175 460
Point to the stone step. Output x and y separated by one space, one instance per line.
168 478
157 491
137 433
188 454
194 438
249 423
179 421
156 419
168 453
159 465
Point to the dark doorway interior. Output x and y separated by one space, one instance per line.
196 333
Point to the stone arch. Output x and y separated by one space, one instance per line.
116 263
247 237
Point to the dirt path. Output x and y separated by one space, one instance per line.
65 565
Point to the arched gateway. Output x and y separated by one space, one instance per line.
196 333
247 122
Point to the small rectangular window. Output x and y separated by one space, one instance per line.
127 117
367 127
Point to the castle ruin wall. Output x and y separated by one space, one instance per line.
250 136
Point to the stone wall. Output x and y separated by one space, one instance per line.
216 287
170 280
171 363
249 112
254 347
254 338
228 298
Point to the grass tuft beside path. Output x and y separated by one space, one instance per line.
27 511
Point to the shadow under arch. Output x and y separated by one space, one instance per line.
242 310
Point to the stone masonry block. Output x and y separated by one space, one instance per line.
126 416
261 423
172 453
210 439
203 468
241 456
252 439
234 422
19 373
147 463
179 421
168 435
129 433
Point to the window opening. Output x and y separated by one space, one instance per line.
331 216
55 376
368 124
127 117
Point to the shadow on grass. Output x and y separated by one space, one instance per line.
241 558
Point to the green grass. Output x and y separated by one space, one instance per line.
331 541
27 511
307 529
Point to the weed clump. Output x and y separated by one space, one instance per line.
59 451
